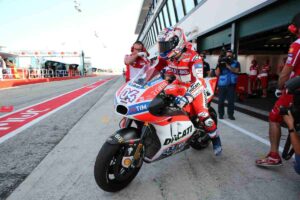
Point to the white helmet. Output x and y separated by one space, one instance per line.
171 42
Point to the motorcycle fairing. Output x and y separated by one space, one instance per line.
173 138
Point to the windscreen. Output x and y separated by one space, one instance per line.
145 75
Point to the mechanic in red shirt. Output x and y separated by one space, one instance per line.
289 71
136 60
177 55
263 77
253 76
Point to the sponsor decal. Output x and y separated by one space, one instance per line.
180 71
291 50
289 60
186 60
138 108
178 136
203 114
199 72
119 138
195 89
198 65
153 82
135 85
174 149
159 88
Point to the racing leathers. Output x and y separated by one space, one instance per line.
188 69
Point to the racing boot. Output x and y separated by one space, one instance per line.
217 145
211 128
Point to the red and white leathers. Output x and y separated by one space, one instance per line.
253 77
285 100
133 69
188 69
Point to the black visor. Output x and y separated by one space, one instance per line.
168 45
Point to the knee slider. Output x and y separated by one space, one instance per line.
209 122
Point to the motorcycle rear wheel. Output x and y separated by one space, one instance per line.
109 173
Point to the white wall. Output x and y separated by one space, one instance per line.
210 14
214 12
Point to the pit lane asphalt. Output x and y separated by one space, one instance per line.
21 154
67 171
27 95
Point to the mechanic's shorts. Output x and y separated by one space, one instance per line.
284 100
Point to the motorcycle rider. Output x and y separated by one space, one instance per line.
176 53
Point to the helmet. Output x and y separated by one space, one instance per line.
171 42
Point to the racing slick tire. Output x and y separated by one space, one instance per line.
109 173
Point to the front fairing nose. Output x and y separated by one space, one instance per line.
125 97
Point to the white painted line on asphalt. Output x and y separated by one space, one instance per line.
44 101
9 88
248 133
15 132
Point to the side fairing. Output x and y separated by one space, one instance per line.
173 138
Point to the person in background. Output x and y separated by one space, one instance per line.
263 77
134 63
136 60
290 70
206 67
253 76
227 70
2 68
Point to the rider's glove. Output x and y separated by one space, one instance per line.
189 97
142 54
278 93
181 101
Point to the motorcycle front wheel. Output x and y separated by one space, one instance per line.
109 173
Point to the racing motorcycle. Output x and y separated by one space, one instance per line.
155 128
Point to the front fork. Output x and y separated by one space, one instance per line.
135 147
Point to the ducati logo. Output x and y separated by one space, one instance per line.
178 136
